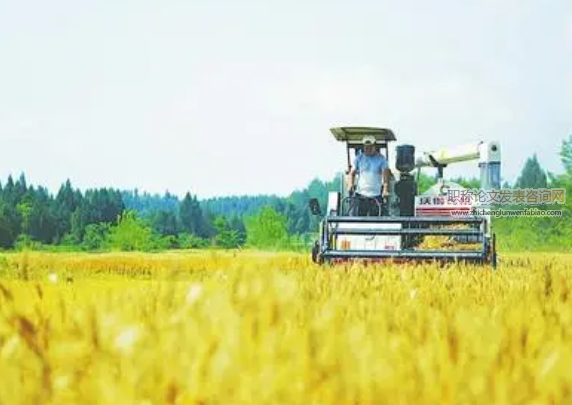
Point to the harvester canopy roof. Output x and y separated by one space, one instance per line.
355 135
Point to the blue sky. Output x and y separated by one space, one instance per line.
226 97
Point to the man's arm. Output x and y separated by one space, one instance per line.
384 177
351 178
385 180
352 175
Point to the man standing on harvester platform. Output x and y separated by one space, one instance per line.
372 172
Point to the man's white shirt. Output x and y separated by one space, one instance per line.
369 170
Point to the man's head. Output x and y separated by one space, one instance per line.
368 144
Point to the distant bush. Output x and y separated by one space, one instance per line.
96 236
130 234
267 230
189 241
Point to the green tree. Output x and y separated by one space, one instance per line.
66 202
237 224
10 225
188 241
165 223
532 175
424 183
131 233
566 155
41 223
268 229
25 212
565 180
470 183
191 216
96 236
102 205
226 236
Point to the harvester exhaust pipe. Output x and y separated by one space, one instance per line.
406 187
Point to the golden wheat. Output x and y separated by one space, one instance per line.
262 328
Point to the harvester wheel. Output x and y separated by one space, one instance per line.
316 253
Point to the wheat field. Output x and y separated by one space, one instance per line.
273 328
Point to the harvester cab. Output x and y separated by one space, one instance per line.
442 224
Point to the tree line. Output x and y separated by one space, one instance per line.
30 216
106 218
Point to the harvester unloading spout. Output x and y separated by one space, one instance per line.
414 223
487 153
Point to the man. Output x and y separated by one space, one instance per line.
372 171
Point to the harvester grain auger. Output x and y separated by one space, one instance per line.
409 226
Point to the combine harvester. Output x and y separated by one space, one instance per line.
407 223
